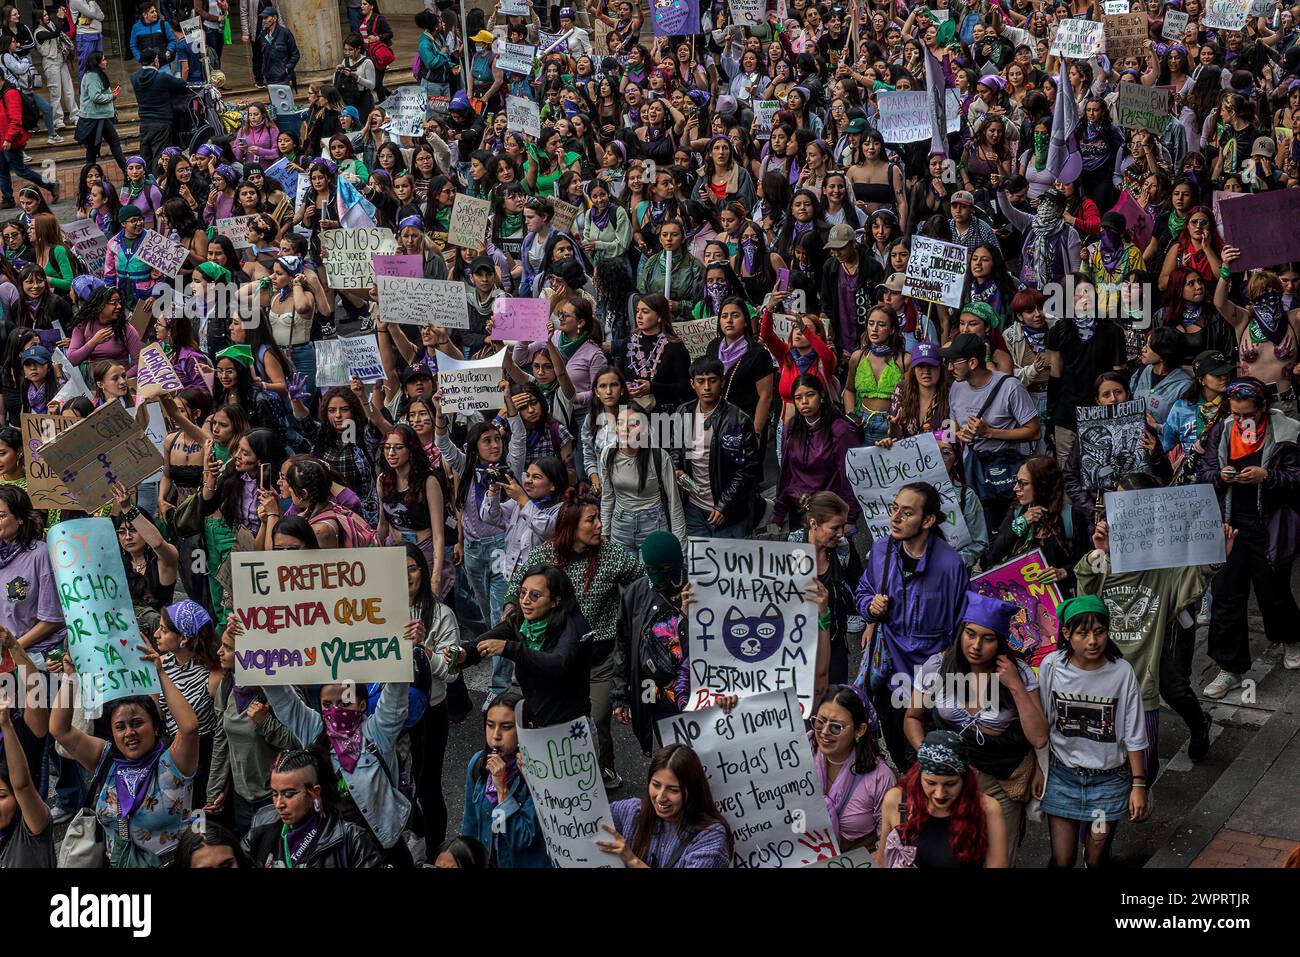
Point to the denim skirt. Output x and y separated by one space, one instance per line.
1079 797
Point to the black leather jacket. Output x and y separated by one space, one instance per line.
340 845
734 466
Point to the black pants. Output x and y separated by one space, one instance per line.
428 747
1176 676
891 728
1247 565
107 134
155 136
242 812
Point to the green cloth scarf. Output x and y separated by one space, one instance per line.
533 633
1042 141
512 223
569 346
1176 223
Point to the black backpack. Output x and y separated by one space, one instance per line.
31 112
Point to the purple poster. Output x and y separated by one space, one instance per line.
1025 581
411 267
675 18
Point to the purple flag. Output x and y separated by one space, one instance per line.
1064 160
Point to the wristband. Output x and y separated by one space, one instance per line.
1225 272
132 513
1142 785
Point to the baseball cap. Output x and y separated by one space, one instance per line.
925 353
1114 220
1211 362
841 235
856 125
1264 146
893 284
483 36
37 354
962 196
965 346
416 371
481 263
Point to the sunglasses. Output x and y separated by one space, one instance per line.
833 728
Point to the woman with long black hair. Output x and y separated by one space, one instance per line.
815 441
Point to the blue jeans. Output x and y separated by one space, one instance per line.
304 361
68 785
11 161
47 111
631 528
875 426
482 564
697 524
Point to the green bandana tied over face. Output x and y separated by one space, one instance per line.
569 346
1041 143
533 633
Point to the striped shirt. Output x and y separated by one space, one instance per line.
192 680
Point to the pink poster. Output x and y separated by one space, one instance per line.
410 267
1262 226
1021 582
519 319
1141 224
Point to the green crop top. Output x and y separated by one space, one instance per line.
867 386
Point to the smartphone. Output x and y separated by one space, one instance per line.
261 476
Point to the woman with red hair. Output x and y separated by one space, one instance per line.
1188 309
937 817
1196 248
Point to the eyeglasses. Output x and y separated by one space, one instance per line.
533 594
1020 483
833 728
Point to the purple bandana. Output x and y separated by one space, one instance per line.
132 779
189 617
730 354
343 726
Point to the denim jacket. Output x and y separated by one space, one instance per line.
521 843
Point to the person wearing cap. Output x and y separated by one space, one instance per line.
355 77
1199 407
278 49
1051 245
40 384
986 692
122 268
1097 735
487 77
574 36
1111 261
964 227
937 817
1261 172
848 277
1252 459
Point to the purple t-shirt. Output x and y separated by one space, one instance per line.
28 595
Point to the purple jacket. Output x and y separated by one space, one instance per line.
923 612
254 144
816 464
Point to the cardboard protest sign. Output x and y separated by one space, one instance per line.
1077 39
524 115
469 221
105 447
236 227
321 617
565 214
675 18
1176 527
155 374
348 254
516 57
423 302
103 636
1241 219
751 628
562 771
762 778
747 13
936 271
88 241
904 116
1143 107
469 385
1110 437
1225 14
1026 581
161 253
696 334
1174 25
1126 34
44 488
517 319
339 361
877 474
409 266
407 109
282 174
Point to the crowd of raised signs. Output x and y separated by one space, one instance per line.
641 339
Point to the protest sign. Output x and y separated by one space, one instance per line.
88 241
783 325
1112 7
150 417
348 254
399 265
469 221
1242 217
752 630
1027 581
161 253
762 778
952 110
236 227
105 447
468 385
936 271
1143 107
1126 35
73 384
155 373
516 57
1077 39
44 488
564 215
859 857
321 617
1225 14
407 108
1174 26
696 334
1141 224
524 115
1177 527
103 636
560 767
519 319
904 117
339 361
423 302
1110 437
196 38
747 13
282 174
514 8
764 114
675 18
877 474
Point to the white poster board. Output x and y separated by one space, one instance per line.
1078 39
877 474
1225 14
1177 527
524 115
349 253
936 271
339 361
904 116
423 302
468 385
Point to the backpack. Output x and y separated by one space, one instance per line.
31 112
357 532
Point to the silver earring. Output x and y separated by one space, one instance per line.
316 805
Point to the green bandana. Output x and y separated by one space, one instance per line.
985 312
533 633
1176 223
1041 143
569 346
512 223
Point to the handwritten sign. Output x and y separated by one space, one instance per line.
675 18
904 117
877 474
469 385
1077 39
751 628
524 115
281 173
514 8
88 241
156 374
321 617
1112 7
161 253
936 271
1176 527
762 778
1027 581
45 488
348 254
469 221
563 774
517 57
105 447
1225 14
746 13
859 857
423 302
339 361
1174 25
565 214
1143 107
1126 34
1110 437
1240 220
407 108
696 334
764 116
236 227
399 265
517 319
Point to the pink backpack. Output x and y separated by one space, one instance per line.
357 532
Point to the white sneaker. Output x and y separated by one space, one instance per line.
1224 682
55 139
1291 659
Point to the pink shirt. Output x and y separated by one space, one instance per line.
853 801
112 348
